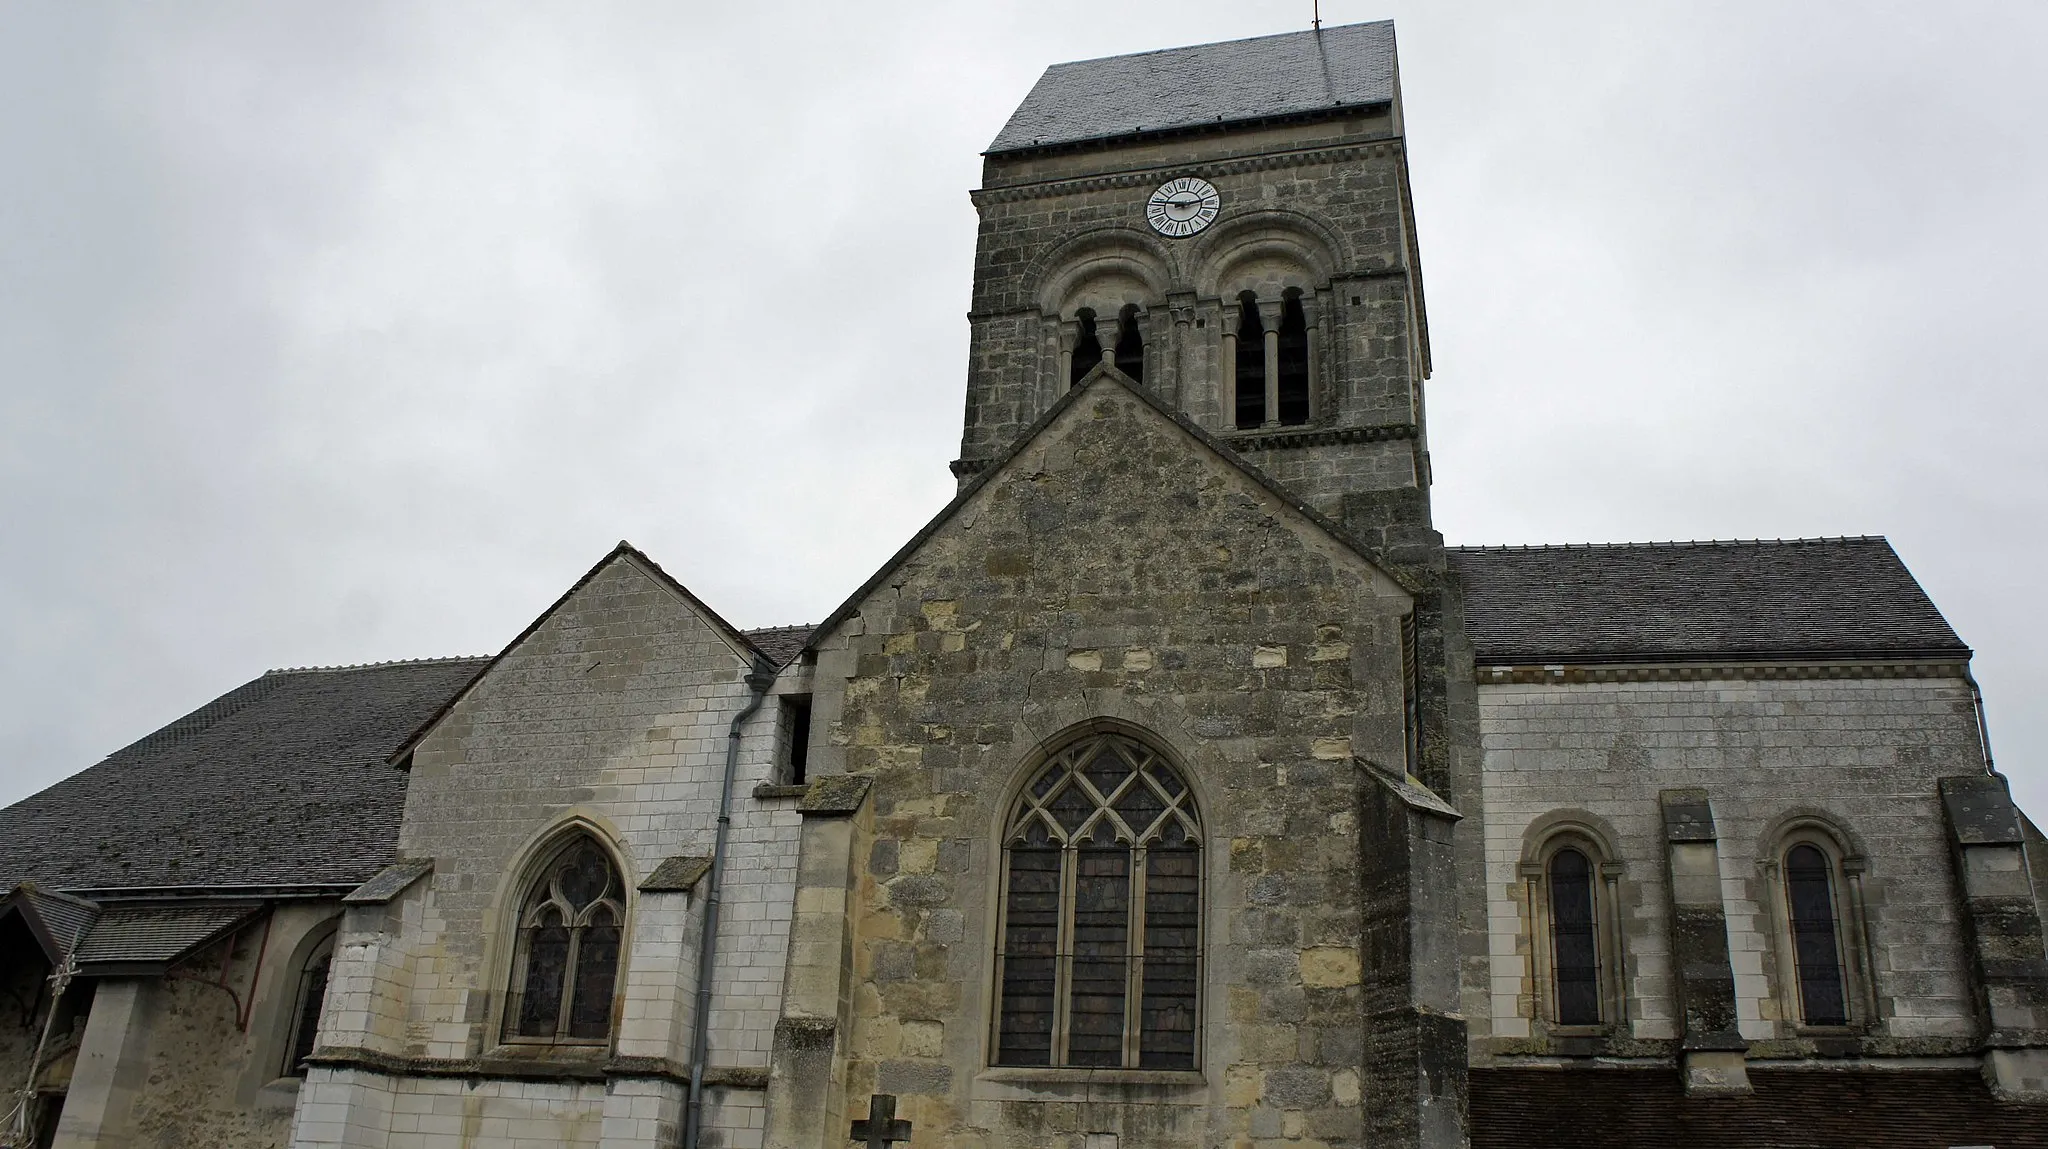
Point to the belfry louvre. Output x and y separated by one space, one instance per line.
1176 785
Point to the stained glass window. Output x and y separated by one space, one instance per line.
1101 934
567 965
1816 949
1575 946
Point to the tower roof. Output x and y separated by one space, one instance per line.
1292 74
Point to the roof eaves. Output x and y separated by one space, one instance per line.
1024 439
1744 657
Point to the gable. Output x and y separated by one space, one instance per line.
1108 440
624 561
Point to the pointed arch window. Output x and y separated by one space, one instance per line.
1100 944
305 1018
566 965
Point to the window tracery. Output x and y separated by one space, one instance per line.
565 968
1099 948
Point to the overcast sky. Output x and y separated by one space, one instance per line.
334 333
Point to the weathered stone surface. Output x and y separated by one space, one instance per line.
1140 539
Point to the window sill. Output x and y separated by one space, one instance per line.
768 791
1078 1075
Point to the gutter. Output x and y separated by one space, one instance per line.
1983 727
758 680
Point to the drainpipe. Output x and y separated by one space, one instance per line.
1983 727
759 679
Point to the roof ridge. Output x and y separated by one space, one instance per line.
1317 32
441 660
1498 548
781 626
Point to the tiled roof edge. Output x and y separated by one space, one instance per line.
1216 43
1515 548
444 660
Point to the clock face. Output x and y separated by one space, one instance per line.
1183 206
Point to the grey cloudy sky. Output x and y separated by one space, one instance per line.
333 333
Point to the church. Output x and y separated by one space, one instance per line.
1176 785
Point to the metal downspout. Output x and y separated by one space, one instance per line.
759 679
1983 727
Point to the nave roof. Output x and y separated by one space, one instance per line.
284 781
1845 598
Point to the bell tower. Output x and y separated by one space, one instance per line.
1230 226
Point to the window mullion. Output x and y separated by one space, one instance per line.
568 981
1134 965
1063 953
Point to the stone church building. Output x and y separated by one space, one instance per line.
1176 785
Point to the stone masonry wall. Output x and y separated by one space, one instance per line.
1863 754
1117 572
1319 207
613 712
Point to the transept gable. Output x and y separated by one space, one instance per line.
626 562
1052 449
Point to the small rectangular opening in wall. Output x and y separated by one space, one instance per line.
796 738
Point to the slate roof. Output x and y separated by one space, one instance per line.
1612 1108
1292 74
58 920
1840 598
781 643
278 782
156 936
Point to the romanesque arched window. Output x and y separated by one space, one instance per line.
1573 890
1099 959
1812 913
1250 364
1087 347
566 964
1574 938
1130 344
1294 370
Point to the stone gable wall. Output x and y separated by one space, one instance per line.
1117 573
1863 753
614 713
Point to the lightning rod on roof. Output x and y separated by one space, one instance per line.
1316 15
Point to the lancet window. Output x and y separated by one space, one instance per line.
305 1019
565 968
1100 945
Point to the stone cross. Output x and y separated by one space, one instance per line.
881 1129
